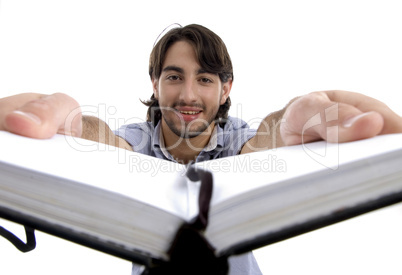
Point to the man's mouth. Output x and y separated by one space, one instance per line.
190 112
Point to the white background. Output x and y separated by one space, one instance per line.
97 51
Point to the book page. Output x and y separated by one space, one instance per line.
147 179
266 192
233 176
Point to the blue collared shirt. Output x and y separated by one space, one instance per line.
227 141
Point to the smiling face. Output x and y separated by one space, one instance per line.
188 95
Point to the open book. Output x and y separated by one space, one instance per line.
131 205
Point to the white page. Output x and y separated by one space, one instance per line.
147 179
249 203
235 175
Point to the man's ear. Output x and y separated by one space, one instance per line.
155 84
226 88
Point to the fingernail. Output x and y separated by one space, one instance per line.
29 116
349 122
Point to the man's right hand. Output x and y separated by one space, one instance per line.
40 116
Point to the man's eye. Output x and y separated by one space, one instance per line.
173 77
206 80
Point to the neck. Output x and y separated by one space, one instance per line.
185 150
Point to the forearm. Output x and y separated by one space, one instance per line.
267 136
97 130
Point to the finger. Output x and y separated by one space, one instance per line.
12 103
45 116
315 117
354 125
392 122
342 123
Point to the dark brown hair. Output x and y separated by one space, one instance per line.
211 53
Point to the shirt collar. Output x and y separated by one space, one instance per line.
213 141
216 140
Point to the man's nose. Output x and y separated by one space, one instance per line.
188 93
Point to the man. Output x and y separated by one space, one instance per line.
192 76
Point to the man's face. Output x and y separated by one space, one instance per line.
189 97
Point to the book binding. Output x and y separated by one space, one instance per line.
190 252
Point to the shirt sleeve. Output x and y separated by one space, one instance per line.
138 135
235 134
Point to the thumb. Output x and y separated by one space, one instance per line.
45 116
342 123
359 126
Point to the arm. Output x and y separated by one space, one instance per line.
97 130
268 134
42 116
335 116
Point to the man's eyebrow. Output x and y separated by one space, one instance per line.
173 68
204 71
181 71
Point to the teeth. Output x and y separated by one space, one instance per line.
189 112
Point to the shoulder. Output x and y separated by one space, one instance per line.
237 125
234 135
136 133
